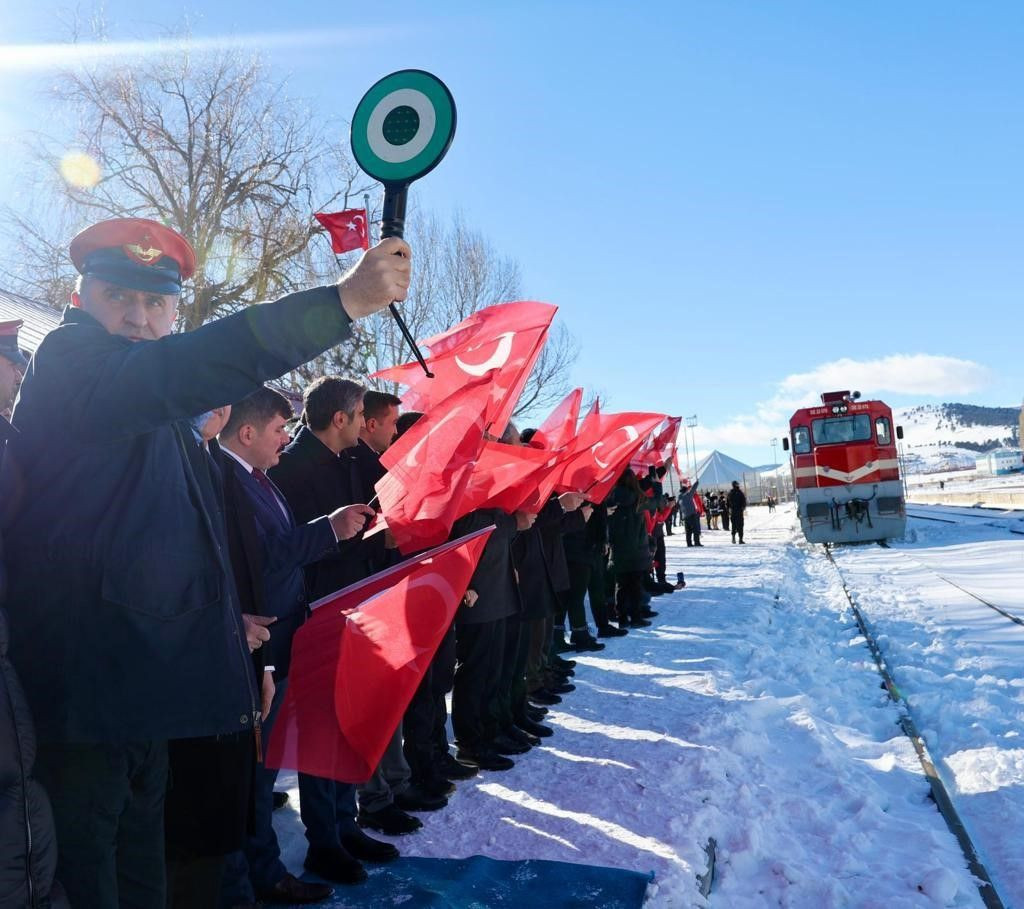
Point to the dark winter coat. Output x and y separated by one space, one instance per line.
737 501
124 625
316 481
28 849
494 579
687 508
627 532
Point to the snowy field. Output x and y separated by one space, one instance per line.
751 712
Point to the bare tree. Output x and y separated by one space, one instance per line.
206 144
456 272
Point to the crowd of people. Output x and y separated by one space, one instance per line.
168 521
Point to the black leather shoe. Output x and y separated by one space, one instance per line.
413 799
536 712
537 729
335 864
564 688
584 643
456 770
390 821
280 800
541 696
648 614
484 758
518 734
610 631
640 623
503 744
560 663
441 787
290 890
366 848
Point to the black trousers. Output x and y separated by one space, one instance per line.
573 600
659 557
480 652
631 594
737 526
597 588
509 702
426 737
692 525
108 804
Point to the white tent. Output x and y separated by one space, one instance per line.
719 470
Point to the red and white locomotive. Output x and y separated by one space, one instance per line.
846 470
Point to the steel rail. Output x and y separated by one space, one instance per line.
939 793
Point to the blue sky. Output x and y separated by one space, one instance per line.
732 202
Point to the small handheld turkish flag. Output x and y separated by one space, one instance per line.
348 229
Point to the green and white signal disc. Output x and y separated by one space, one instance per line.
403 126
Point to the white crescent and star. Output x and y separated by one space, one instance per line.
631 436
495 361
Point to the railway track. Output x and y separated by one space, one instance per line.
939 793
950 516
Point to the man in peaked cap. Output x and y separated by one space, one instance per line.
124 627
12 363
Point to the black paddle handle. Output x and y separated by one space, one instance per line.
392 224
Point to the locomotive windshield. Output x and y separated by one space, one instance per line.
854 428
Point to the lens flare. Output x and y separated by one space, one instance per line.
80 170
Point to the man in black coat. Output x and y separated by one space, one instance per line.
318 471
124 628
736 502
28 847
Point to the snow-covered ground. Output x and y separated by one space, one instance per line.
751 712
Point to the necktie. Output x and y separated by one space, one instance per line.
260 477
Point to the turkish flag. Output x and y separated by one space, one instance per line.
360 657
429 467
348 229
506 338
504 476
596 465
560 426
660 447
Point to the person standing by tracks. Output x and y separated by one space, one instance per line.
735 505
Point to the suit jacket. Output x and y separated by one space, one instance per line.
540 555
316 481
494 579
283 549
123 618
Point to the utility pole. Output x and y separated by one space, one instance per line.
775 471
691 423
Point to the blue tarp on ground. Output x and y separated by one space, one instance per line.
484 883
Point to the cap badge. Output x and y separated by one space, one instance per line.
146 256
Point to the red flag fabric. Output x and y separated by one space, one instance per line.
358 660
506 338
660 446
430 465
596 464
348 229
560 426
504 476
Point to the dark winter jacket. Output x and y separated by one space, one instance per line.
494 579
737 501
627 532
687 508
124 625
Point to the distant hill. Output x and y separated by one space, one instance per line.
948 436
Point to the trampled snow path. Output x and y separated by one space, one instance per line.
750 712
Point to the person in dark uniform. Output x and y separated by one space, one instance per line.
28 856
736 505
124 626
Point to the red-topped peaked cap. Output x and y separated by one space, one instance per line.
134 252
9 343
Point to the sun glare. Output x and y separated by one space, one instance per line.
80 169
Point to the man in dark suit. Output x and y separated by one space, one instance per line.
251 441
316 472
124 625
